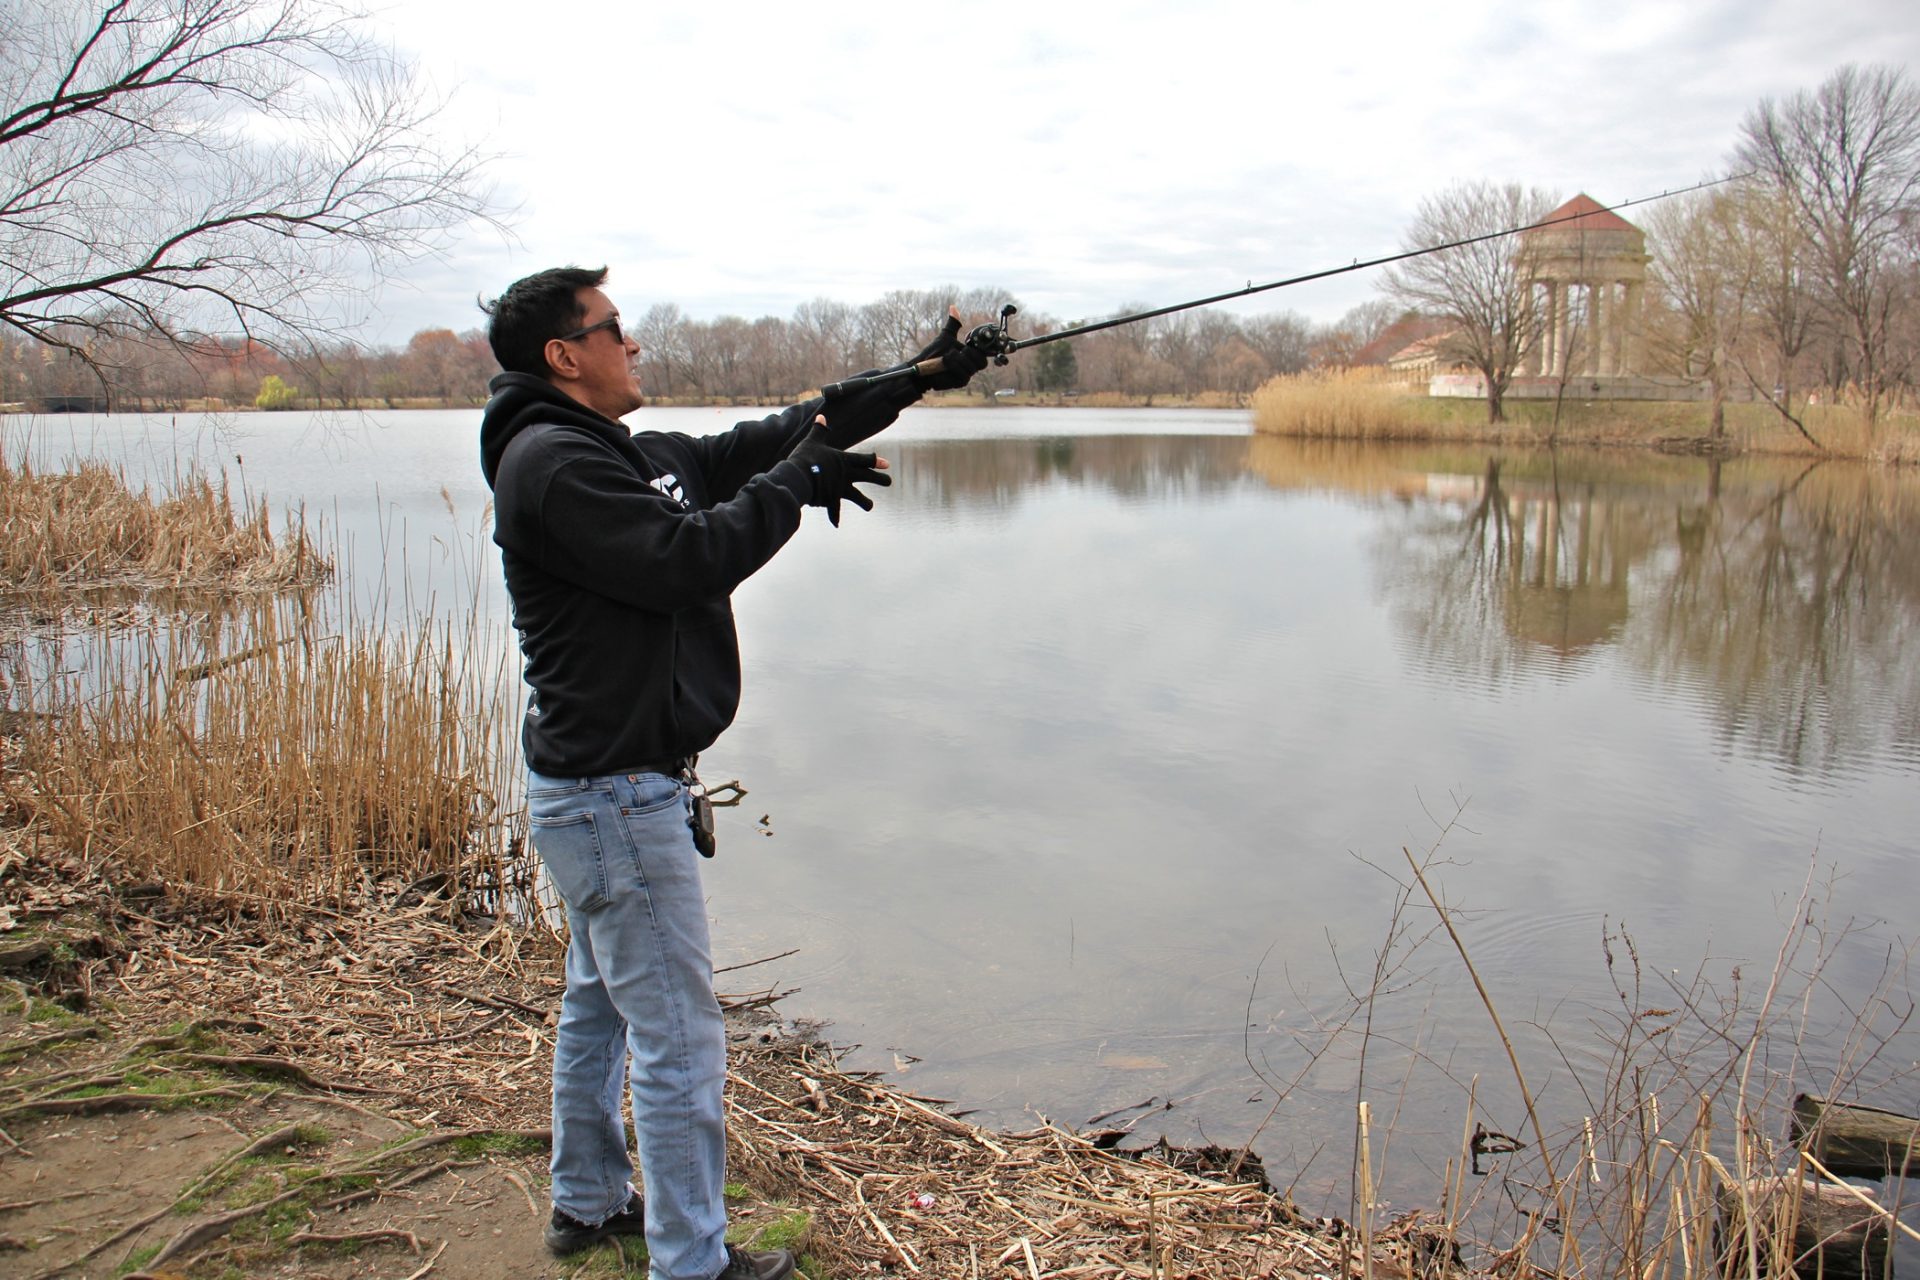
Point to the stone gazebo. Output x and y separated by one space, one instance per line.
1589 274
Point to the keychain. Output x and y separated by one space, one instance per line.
700 818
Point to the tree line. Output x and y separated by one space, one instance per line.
729 359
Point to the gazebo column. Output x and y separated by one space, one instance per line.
1561 353
1590 365
1537 360
1630 336
1606 327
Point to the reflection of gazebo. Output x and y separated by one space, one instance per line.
1589 273
1567 578
1566 619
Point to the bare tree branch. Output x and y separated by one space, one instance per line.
192 165
1484 288
1846 161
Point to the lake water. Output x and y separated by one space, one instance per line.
1088 759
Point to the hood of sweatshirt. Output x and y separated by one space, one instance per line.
520 400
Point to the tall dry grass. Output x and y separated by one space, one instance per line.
268 754
1348 404
1663 1151
1368 404
87 527
242 731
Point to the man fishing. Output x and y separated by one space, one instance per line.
620 552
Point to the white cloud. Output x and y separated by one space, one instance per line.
745 157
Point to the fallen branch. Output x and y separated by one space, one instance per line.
378 1234
87 1031
430 1261
105 1102
276 1067
500 1002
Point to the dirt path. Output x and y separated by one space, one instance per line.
259 1183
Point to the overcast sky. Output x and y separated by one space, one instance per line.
745 157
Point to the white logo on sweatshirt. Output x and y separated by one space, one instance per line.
669 484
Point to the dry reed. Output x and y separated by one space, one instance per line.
230 733
1369 404
1672 1162
269 755
87 528
1353 404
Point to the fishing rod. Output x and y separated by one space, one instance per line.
996 341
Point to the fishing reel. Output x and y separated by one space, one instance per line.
992 338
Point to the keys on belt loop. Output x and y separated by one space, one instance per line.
699 809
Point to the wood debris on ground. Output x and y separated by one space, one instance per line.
406 1007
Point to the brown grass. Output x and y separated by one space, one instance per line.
1670 1164
232 732
1352 404
269 755
1367 404
84 528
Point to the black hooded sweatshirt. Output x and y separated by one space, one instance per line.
620 552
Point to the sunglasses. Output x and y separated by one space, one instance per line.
611 322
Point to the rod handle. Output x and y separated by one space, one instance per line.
847 386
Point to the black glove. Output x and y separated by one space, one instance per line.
960 361
834 473
857 415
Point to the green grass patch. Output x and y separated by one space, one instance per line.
274 1225
263 1186
476 1145
178 1037
47 1013
776 1228
137 1260
604 1261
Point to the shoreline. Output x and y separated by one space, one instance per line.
431 1028
1674 428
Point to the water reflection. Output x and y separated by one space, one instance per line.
995 473
1772 592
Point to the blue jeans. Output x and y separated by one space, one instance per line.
639 986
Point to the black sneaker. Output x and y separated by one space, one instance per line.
776 1264
567 1234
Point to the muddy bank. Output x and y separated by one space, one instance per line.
199 1088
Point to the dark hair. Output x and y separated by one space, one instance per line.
533 311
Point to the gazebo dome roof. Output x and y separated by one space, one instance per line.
1584 213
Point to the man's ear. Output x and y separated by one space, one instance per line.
562 362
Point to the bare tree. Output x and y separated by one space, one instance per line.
1847 160
824 333
664 350
180 166
1367 320
1282 339
1485 288
891 325
1704 279
1784 315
